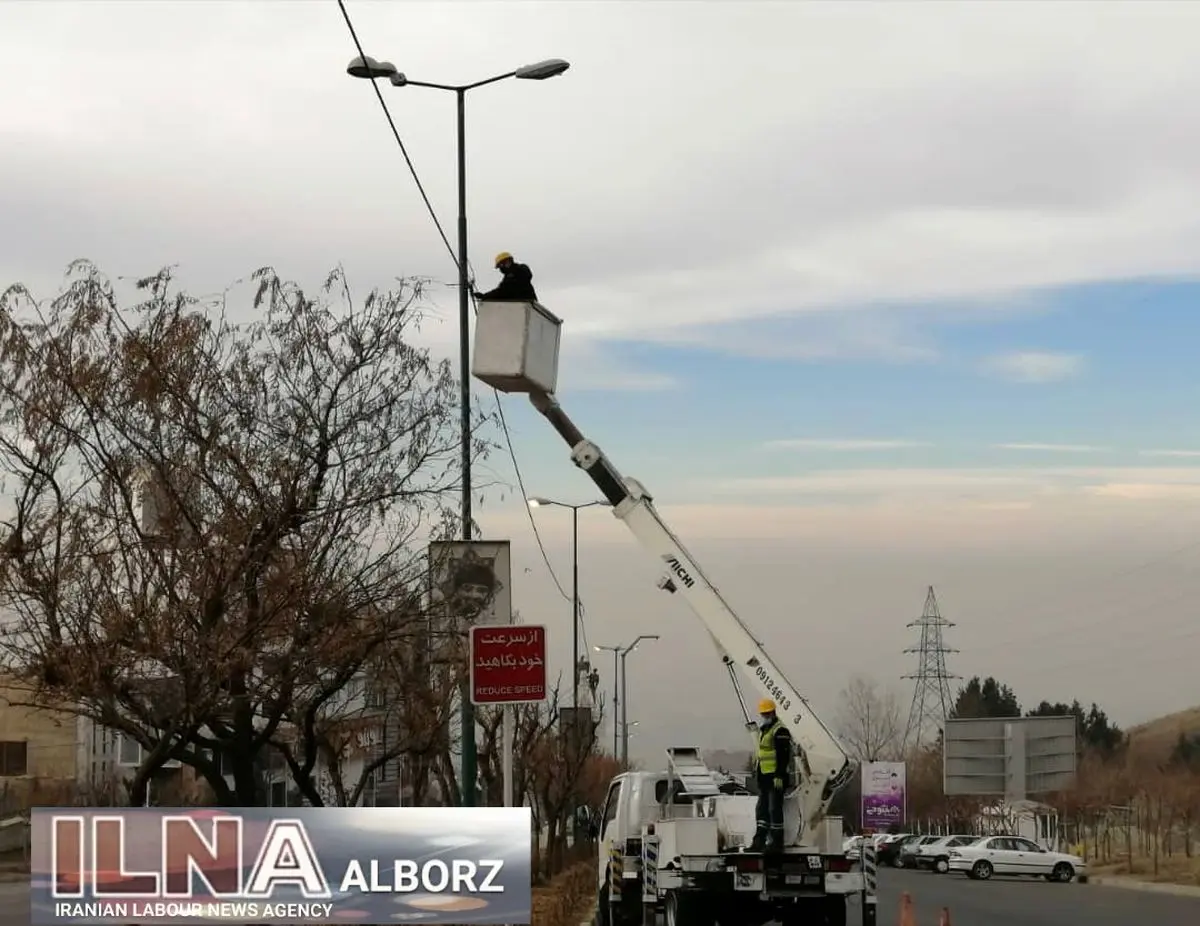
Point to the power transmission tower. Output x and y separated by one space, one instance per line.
931 702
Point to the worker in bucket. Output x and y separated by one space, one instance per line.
772 767
517 282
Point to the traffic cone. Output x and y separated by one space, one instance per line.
944 919
906 911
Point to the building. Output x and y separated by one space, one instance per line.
38 749
1029 819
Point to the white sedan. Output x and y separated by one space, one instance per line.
1014 855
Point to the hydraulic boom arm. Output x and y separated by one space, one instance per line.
823 765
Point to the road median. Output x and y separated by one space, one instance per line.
1153 887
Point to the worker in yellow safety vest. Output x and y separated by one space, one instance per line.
772 768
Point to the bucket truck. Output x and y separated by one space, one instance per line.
678 840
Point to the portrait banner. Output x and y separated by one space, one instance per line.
471 581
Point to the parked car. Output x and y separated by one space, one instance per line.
907 856
1014 855
936 855
889 849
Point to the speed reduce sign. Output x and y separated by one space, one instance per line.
508 664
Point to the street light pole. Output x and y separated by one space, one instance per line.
370 69
625 697
625 727
617 696
574 606
470 762
549 503
464 331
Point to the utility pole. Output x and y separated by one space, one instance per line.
575 606
616 651
869 739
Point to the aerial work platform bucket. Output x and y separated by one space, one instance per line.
516 346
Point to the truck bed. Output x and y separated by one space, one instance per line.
792 873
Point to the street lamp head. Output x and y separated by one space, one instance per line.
551 67
645 636
368 68
538 502
398 80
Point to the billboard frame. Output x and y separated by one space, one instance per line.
1009 758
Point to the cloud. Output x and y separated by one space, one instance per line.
1054 448
1169 453
1033 366
864 335
1147 491
837 444
932 156
958 485
625 381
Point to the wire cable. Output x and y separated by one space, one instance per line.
387 114
454 258
533 523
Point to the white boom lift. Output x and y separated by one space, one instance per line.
516 350
676 842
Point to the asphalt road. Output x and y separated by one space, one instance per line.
1024 902
999 902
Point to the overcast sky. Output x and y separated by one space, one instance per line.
871 296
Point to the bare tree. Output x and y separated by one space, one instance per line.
215 527
868 721
560 759
531 724
392 709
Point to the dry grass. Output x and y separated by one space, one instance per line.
1177 869
564 901
1157 737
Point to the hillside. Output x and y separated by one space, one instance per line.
1157 737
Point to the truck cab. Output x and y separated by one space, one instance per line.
635 801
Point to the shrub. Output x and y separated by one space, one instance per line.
564 901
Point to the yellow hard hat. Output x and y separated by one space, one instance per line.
502 257
766 706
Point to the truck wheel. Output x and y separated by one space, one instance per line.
603 911
687 909
835 911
